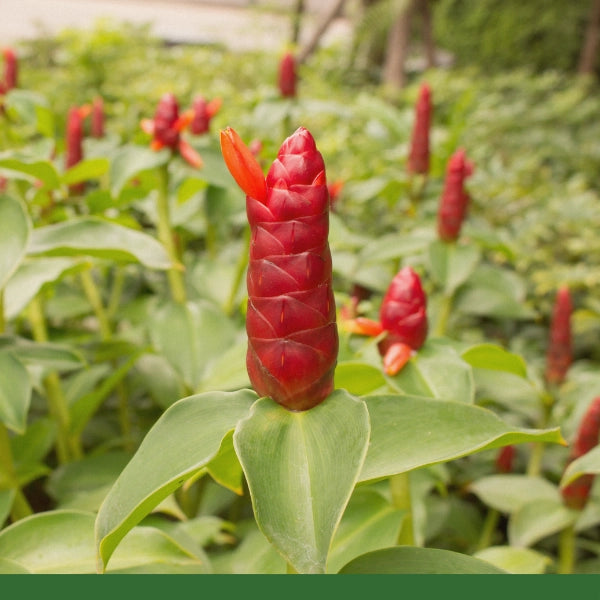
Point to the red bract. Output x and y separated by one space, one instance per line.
166 128
418 157
560 346
454 202
287 75
11 70
576 494
74 141
98 118
505 459
202 113
292 333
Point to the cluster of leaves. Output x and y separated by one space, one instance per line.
106 324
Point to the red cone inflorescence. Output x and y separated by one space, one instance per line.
505 459
74 141
403 316
287 79
575 495
166 128
292 332
98 117
559 355
202 114
455 200
11 71
418 157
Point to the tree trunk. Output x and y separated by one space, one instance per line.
397 48
589 50
424 8
297 21
313 42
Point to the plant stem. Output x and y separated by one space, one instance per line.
444 311
115 294
8 477
489 527
400 488
566 550
67 447
93 295
239 273
165 235
2 317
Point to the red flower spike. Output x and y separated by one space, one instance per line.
202 113
98 118
74 137
418 158
505 459
243 165
292 333
11 69
576 494
287 78
403 312
395 357
454 201
559 355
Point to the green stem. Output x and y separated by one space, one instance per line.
67 447
165 235
566 550
116 292
444 311
2 317
401 499
489 528
93 295
239 273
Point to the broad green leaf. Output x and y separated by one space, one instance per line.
191 336
225 468
437 371
30 449
15 392
406 560
408 432
182 442
90 168
91 236
538 519
13 241
53 356
369 523
63 542
10 567
129 161
358 378
228 371
29 278
155 373
41 170
489 356
452 264
393 246
509 492
301 468
588 463
6 501
521 561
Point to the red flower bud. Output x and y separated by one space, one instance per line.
560 346
505 459
203 112
11 69
454 202
292 333
418 157
287 75
74 138
575 495
98 118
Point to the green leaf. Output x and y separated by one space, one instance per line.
521 561
358 378
30 277
41 170
301 468
46 354
588 463
369 523
405 560
228 371
225 468
129 161
91 236
510 492
452 264
15 393
539 519
63 542
10 567
409 432
489 356
6 501
90 168
182 442
13 241
437 371
31 448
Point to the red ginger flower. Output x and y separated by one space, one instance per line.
166 128
287 79
11 71
454 202
74 141
292 333
403 316
560 346
505 459
575 495
98 117
202 114
418 157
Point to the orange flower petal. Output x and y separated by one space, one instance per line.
362 326
147 126
212 107
190 155
243 166
396 357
